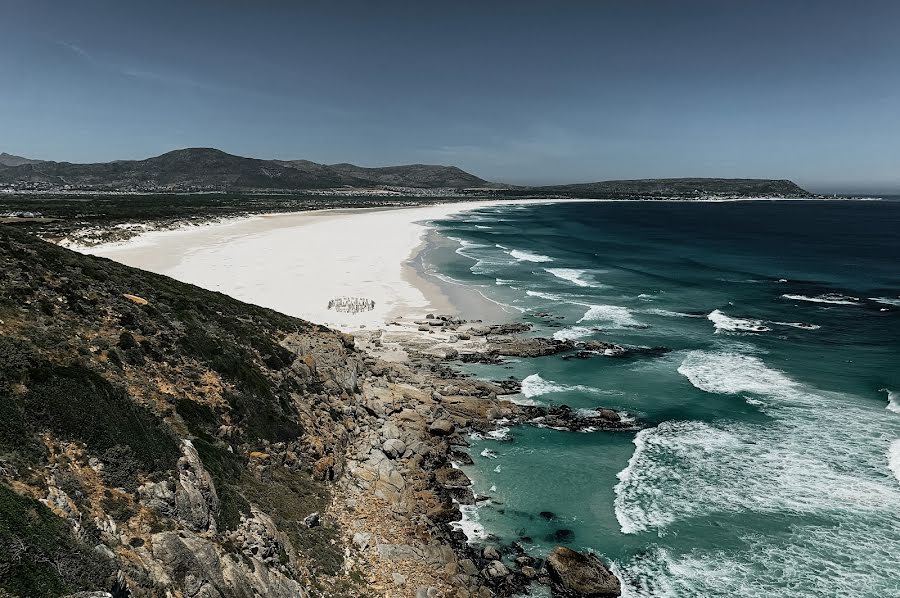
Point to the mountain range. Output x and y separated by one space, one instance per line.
208 169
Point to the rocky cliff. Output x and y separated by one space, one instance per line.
157 439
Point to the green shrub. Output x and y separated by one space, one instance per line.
78 404
39 556
227 471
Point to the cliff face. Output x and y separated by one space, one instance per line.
166 436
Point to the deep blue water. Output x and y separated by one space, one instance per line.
764 466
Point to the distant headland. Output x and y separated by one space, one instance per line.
198 170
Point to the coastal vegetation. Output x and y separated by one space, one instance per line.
159 438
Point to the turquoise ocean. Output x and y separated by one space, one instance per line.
767 462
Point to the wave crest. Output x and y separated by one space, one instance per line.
571 275
618 317
527 256
725 323
830 298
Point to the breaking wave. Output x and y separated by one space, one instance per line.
573 333
542 295
886 301
818 454
725 323
893 456
801 325
570 275
830 298
610 315
534 386
527 256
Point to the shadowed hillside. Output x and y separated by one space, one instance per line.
212 169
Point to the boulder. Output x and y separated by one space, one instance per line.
577 574
442 427
390 430
393 447
362 540
495 569
312 520
490 553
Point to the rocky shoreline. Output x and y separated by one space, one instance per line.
409 458
160 439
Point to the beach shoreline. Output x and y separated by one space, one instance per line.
368 261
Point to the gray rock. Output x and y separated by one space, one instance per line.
393 447
398 579
495 569
442 427
213 573
312 520
195 495
468 567
362 539
398 552
578 574
490 553
390 430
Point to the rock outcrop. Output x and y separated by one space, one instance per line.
576 575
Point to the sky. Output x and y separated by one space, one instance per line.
523 92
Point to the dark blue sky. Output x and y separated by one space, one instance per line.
519 91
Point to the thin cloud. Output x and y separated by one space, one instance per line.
77 50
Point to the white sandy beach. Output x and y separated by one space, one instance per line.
296 263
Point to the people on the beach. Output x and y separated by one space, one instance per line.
353 305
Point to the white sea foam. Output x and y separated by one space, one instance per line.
570 275
893 456
535 386
830 298
612 316
470 523
725 323
542 295
501 432
802 325
572 333
893 399
846 561
733 373
527 256
886 301
667 313
818 455
489 454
